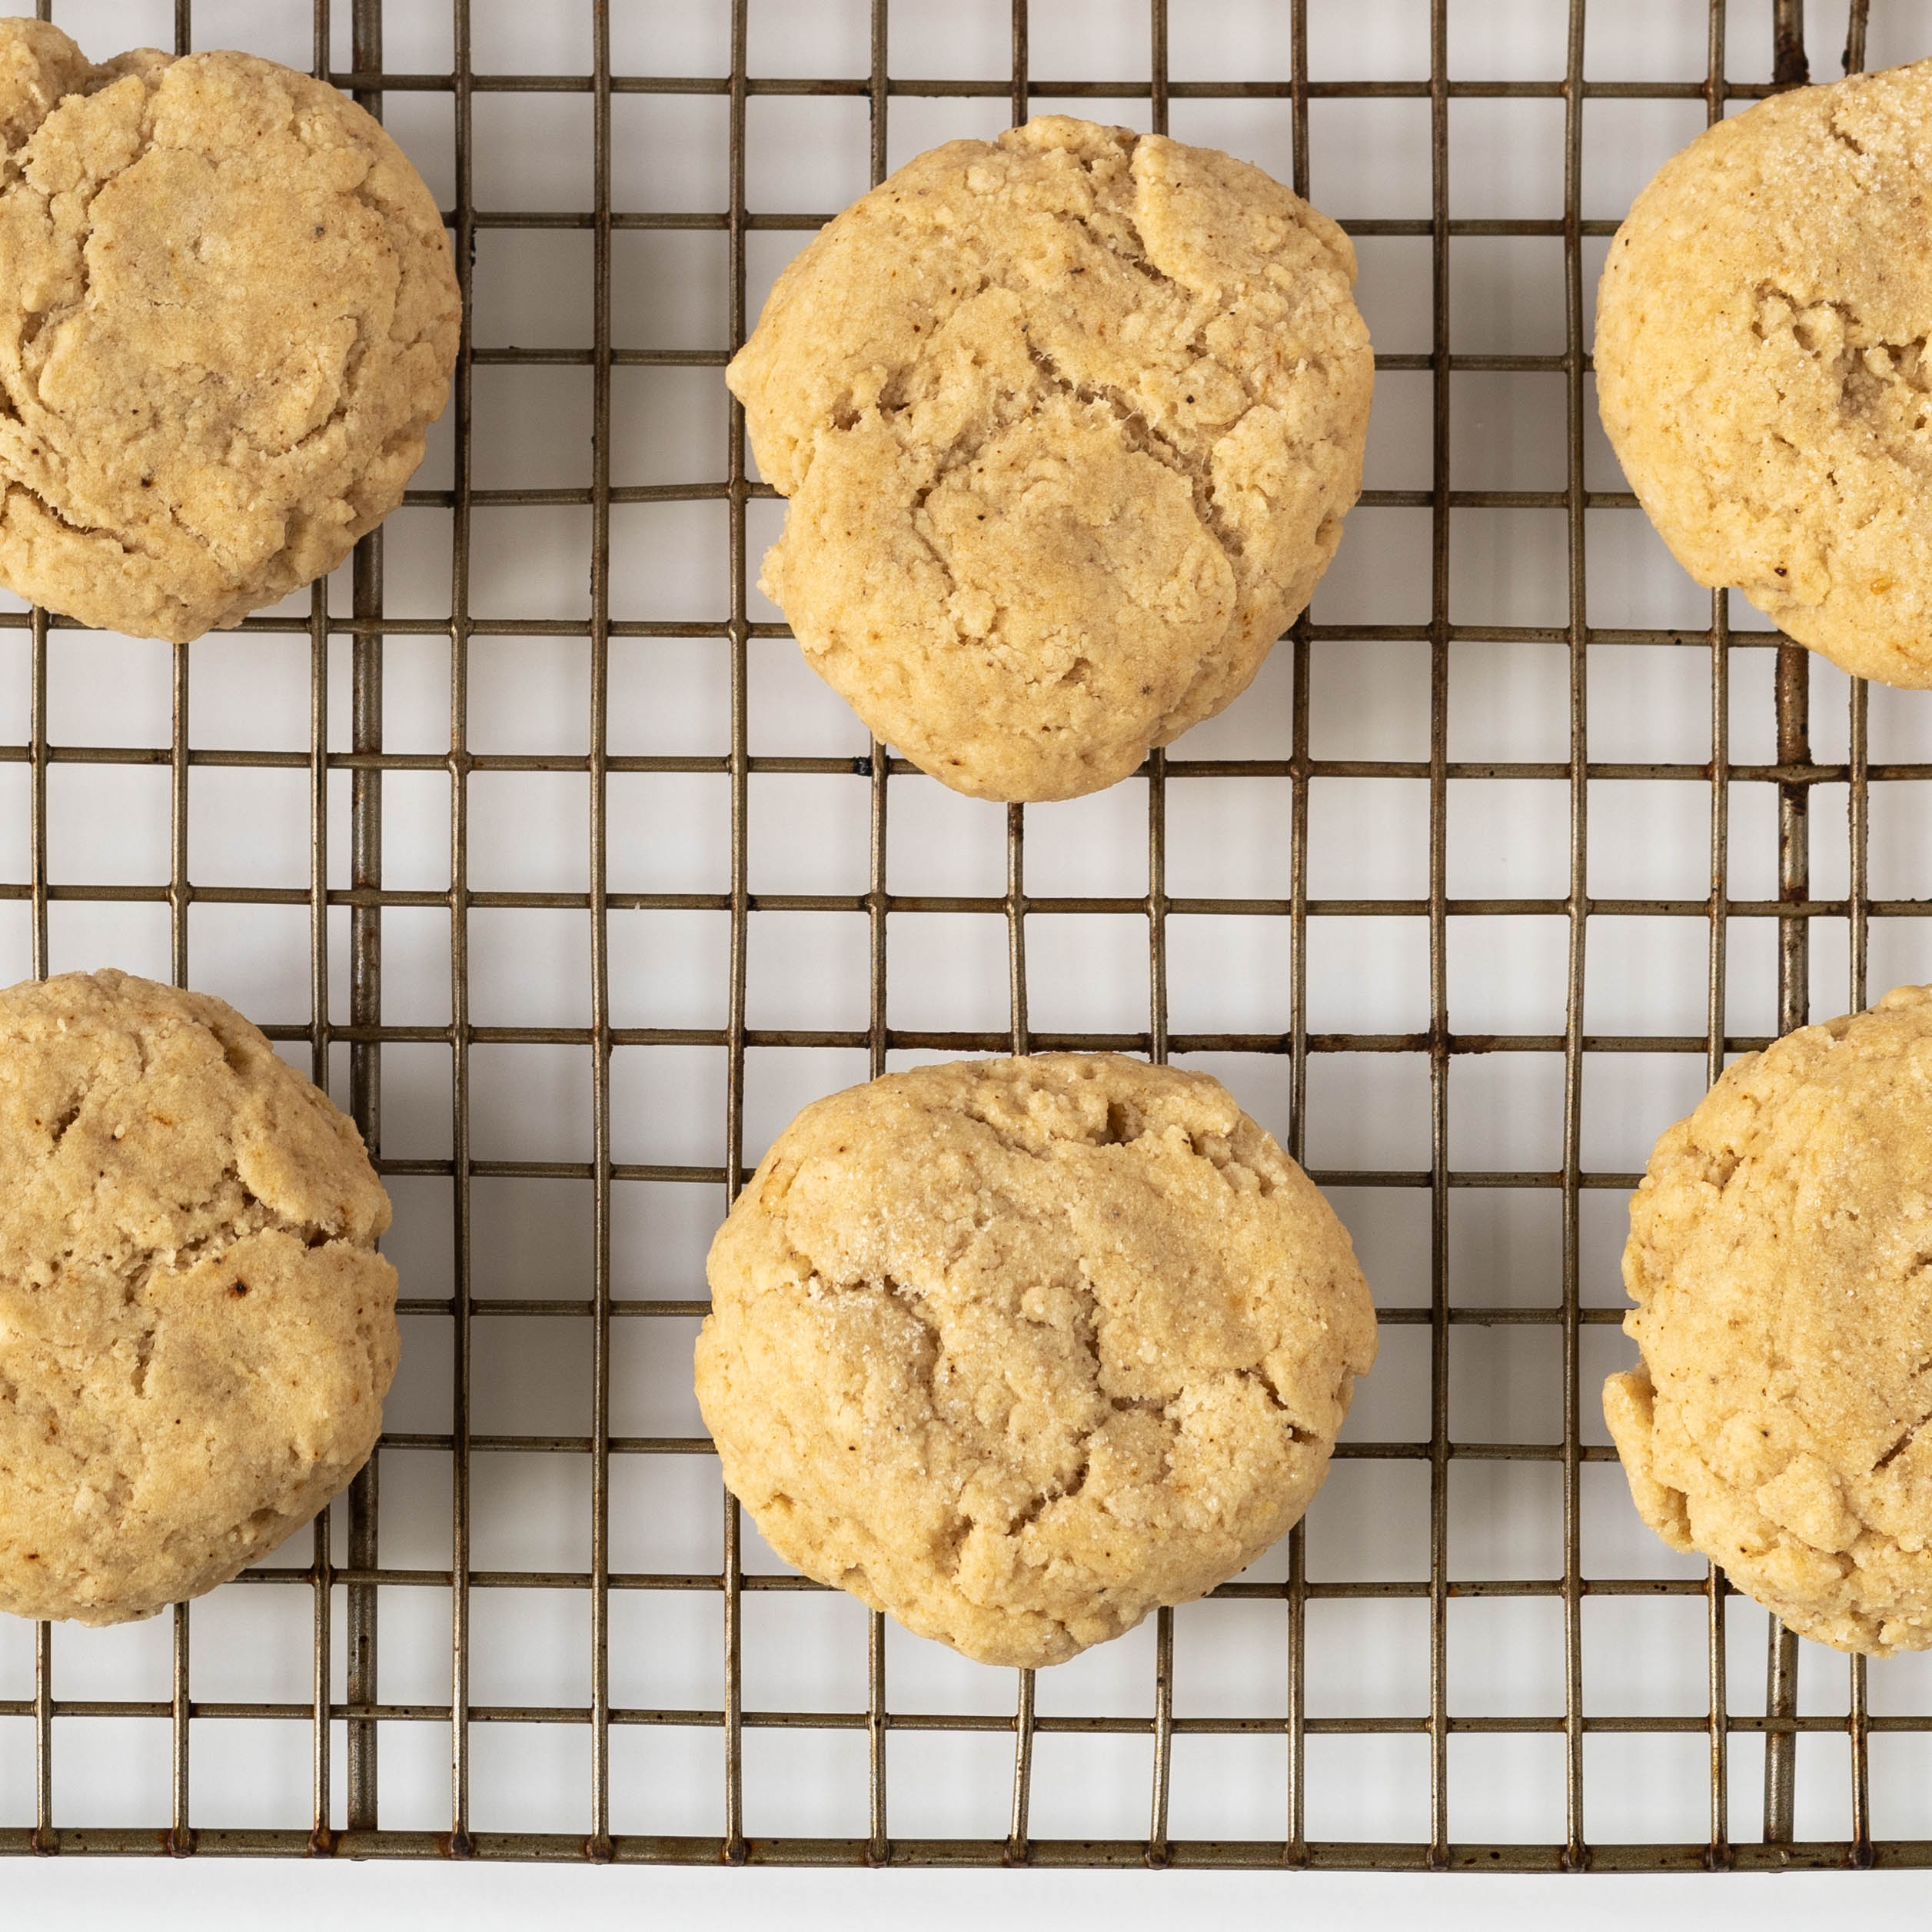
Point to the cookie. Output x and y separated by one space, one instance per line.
1761 368
1068 422
227 316
1781 1259
1018 1349
196 1332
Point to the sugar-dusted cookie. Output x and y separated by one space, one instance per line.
1018 1349
196 1332
227 316
1781 1259
1762 364
1068 422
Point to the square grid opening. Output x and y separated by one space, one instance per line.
574 886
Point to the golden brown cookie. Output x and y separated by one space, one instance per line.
227 316
1018 1349
1762 364
196 1332
1069 422
1781 1259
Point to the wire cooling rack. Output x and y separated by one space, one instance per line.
1326 1679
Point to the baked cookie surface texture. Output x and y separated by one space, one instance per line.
196 1333
1018 1350
1781 1259
1762 368
227 316
1069 422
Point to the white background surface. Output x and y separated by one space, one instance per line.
303 1898
1229 839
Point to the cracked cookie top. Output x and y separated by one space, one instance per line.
1068 422
1761 370
196 1333
1018 1349
227 315
1781 1259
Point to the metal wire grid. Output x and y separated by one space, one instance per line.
1795 773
